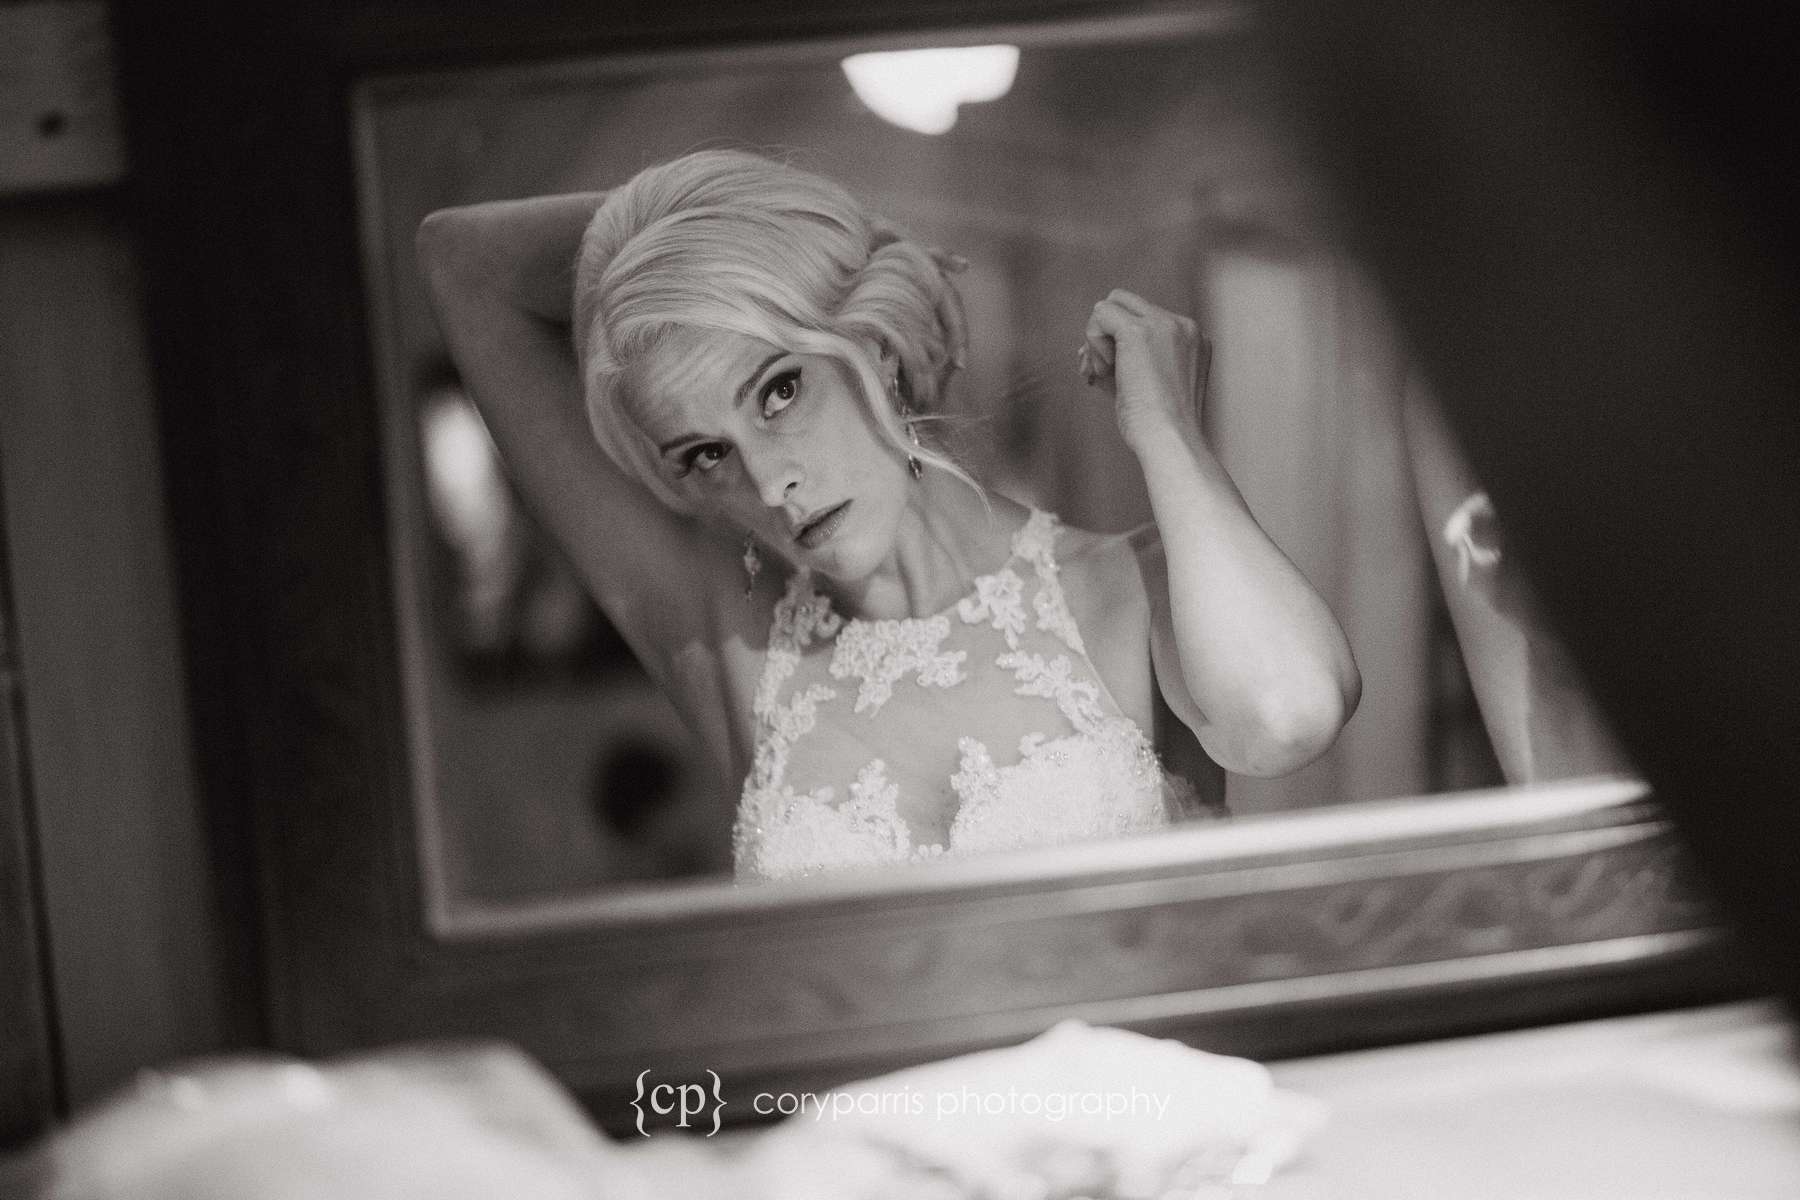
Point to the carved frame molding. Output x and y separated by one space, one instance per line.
1254 949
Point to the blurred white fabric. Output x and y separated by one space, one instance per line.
1078 1111
1701 1104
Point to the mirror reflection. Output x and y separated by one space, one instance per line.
1051 482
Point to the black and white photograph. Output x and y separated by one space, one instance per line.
1059 599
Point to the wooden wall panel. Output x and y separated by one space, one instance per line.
128 892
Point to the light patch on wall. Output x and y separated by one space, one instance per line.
921 90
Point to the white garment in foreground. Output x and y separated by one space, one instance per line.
1080 1111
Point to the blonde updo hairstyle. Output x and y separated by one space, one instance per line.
726 241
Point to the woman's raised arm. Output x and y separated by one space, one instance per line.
500 276
1246 653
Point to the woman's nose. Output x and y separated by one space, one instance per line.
774 476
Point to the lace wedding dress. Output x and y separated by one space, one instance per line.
984 727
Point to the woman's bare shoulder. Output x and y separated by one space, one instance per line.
1142 549
1107 555
1102 574
1104 589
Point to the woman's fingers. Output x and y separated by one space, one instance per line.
1135 308
1094 357
1109 324
1089 364
1159 357
1098 341
1126 317
1132 303
1152 361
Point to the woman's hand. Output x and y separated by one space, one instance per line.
1152 363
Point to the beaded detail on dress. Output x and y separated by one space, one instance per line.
1002 733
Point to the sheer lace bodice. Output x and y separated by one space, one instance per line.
983 727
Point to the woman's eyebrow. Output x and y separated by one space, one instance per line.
743 391
744 387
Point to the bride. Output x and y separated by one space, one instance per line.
714 385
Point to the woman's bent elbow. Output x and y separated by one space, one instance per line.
454 250
1293 728
438 240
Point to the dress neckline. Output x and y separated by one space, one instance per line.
1031 542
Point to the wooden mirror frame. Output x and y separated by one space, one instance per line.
1323 931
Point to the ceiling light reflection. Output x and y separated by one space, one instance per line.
922 89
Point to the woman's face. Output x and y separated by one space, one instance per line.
775 444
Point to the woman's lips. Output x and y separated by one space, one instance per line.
819 530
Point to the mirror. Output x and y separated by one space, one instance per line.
297 382
546 764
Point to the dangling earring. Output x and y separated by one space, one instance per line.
752 564
913 465
912 431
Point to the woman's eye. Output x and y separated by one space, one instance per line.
782 391
705 457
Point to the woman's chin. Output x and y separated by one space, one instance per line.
846 560
840 564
